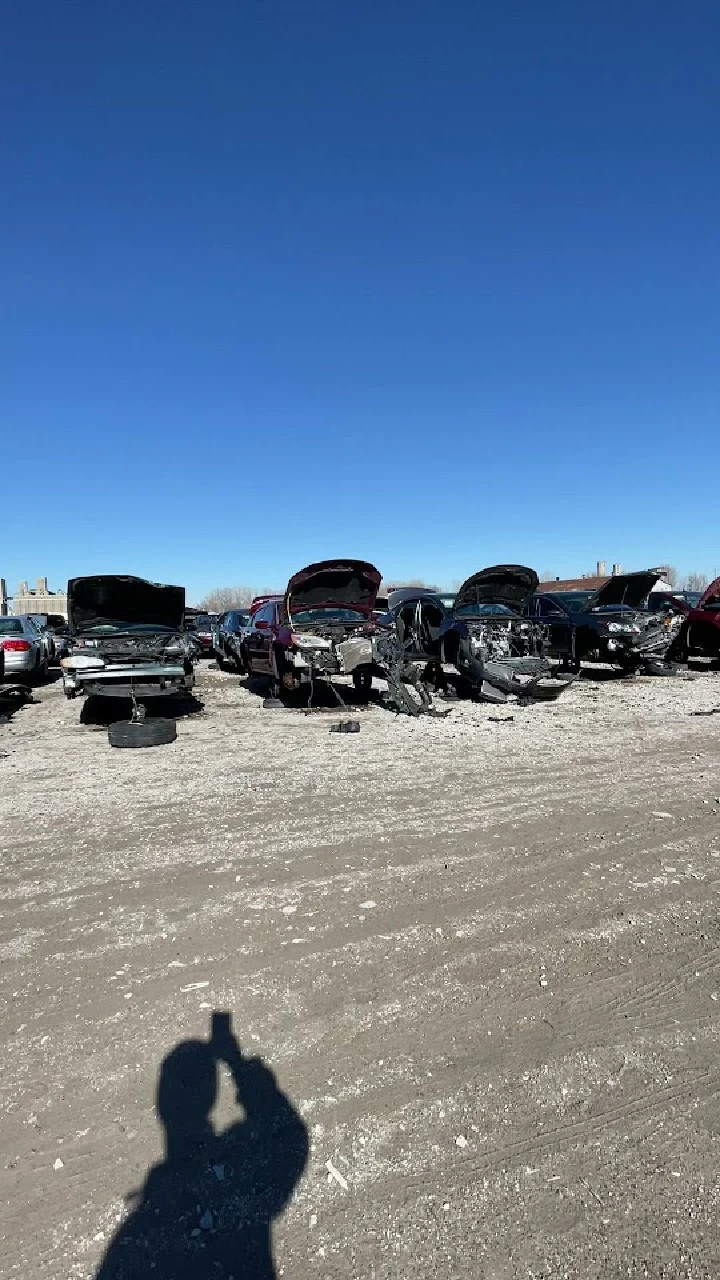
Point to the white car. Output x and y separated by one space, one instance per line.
24 648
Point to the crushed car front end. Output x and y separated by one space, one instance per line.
500 652
126 639
328 609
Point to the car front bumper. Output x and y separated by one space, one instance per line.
121 680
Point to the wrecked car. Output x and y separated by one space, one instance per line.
126 639
321 627
611 625
484 638
699 634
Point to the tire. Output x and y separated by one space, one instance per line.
661 667
154 732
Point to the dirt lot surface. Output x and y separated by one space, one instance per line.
480 954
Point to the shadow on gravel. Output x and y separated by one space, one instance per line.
207 1210
323 698
105 711
12 698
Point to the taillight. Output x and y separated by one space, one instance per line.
16 646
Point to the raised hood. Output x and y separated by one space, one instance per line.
711 596
510 584
117 599
630 589
334 584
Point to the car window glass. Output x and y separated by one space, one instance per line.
549 609
10 627
264 615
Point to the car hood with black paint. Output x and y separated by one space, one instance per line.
512 585
334 584
630 589
118 600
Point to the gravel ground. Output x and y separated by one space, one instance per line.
481 955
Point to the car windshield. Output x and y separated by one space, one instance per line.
10 627
574 601
201 623
485 611
328 615
237 620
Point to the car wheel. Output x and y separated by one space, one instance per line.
661 667
153 732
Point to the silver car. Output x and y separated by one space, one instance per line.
24 648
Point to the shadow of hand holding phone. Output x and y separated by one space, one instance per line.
207 1210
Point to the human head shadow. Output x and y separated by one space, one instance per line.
207 1209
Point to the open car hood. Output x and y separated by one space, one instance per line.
630 589
334 584
510 584
710 596
111 599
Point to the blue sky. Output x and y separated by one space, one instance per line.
431 283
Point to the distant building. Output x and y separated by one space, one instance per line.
39 599
593 582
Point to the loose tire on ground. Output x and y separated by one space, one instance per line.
154 732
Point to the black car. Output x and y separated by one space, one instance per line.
611 625
228 630
485 637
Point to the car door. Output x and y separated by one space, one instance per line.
258 639
558 623
33 634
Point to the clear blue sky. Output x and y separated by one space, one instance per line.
431 282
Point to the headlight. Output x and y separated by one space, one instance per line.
623 628
81 662
310 642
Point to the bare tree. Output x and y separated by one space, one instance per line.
393 583
547 575
222 598
695 581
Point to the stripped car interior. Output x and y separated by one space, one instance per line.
484 639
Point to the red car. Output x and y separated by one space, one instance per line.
699 635
259 601
321 627
200 624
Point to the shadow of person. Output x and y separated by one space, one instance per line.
207 1210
